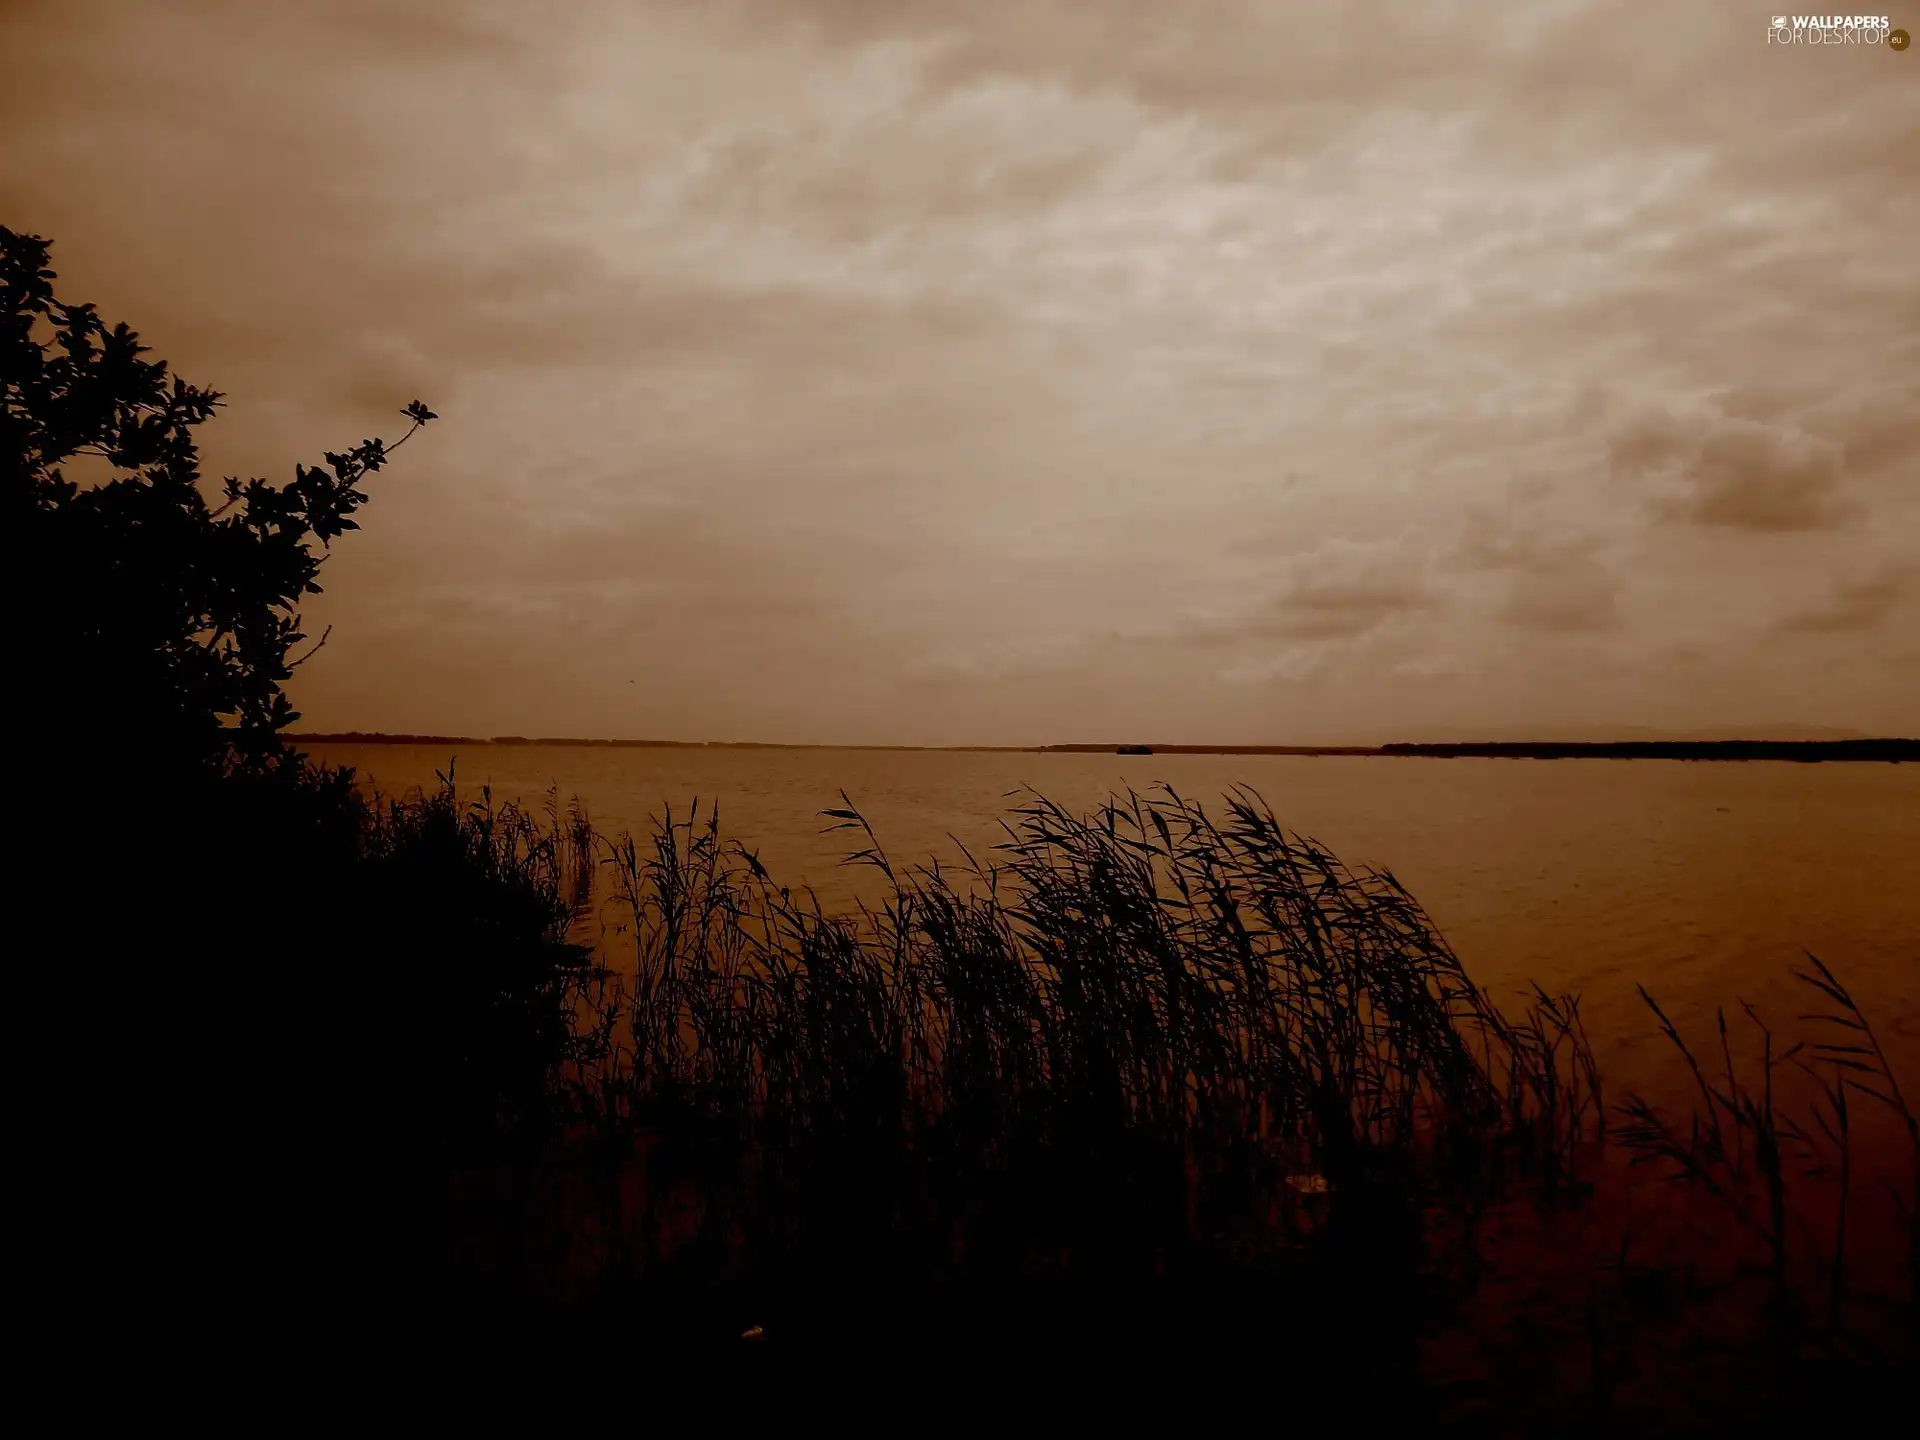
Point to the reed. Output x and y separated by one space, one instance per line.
1167 1076
1118 1046
1773 1143
1158 1078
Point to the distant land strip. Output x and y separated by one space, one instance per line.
1801 750
1894 750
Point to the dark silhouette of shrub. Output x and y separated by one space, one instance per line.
149 613
258 1002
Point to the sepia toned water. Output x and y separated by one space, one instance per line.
1702 881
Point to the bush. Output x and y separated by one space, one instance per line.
147 615
254 1003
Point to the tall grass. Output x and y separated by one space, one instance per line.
1775 1167
1118 1042
1176 1074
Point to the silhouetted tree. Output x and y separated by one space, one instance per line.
146 612
258 1010
211 991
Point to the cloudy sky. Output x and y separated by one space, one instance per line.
946 371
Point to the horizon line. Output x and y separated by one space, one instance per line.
1838 744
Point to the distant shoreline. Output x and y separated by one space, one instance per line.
1804 751
1885 750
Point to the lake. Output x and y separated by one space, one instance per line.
1704 881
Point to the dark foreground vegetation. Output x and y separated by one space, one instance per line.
1160 1100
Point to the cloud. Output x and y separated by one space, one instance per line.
1857 606
1340 591
1882 438
1550 576
799 353
1344 590
1734 473
1577 597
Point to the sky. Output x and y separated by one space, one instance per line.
959 371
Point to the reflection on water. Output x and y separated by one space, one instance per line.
1702 881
